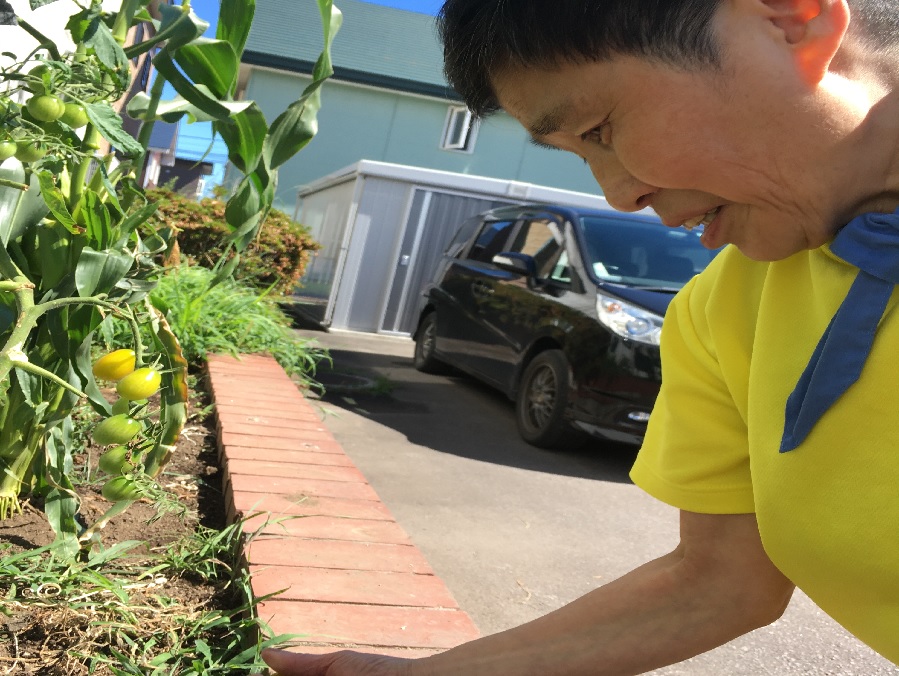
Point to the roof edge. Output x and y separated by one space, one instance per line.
350 75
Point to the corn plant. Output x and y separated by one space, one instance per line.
78 251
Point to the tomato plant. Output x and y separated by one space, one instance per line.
79 250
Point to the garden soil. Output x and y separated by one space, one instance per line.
37 641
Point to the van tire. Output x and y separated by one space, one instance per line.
425 342
542 400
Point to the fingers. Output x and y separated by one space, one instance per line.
286 663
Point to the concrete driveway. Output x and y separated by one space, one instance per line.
515 531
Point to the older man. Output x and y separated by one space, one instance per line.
775 125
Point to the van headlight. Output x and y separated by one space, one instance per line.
628 320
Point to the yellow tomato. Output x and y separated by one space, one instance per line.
115 365
141 384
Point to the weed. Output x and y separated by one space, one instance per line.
109 613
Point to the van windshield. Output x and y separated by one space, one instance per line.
643 253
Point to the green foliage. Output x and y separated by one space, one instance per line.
230 318
78 247
275 259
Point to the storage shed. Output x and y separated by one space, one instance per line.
382 228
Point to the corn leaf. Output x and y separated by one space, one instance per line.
19 209
212 62
296 126
235 18
98 271
244 134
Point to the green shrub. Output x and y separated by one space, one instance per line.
229 317
276 259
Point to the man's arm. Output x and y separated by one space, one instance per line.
716 585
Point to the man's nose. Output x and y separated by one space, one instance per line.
622 191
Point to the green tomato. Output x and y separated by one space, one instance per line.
7 150
35 82
120 488
120 406
115 460
45 107
117 429
29 151
115 365
75 116
141 384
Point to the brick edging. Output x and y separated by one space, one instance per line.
351 576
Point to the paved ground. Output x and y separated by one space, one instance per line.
515 531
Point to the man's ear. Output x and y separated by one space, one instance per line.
813 30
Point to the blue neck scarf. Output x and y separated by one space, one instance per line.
870 242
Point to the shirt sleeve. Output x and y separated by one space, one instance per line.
695 454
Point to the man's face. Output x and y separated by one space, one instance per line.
743 147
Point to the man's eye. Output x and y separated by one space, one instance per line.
601 134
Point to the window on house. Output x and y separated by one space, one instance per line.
460 130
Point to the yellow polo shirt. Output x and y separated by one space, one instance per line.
734 343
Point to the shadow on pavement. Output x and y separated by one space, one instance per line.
455 414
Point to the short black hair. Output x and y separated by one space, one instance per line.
481 37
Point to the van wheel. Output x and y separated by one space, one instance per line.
425 342
542 400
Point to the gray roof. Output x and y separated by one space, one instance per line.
376 45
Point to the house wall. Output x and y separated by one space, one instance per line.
359 122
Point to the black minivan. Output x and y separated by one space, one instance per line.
561 309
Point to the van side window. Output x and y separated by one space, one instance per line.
491 240
540 238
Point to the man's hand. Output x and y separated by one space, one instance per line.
344 663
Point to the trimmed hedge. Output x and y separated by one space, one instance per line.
277 258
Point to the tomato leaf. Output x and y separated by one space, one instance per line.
107 121
99 37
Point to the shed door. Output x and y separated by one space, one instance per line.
433 220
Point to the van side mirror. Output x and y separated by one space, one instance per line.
518 263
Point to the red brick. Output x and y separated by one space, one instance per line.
228 414
329 447
266 550
330 528
293 471
280 455
351 586
310 505
290 412
227 438
371 625
298 431
297 487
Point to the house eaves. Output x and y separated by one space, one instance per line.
376 45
